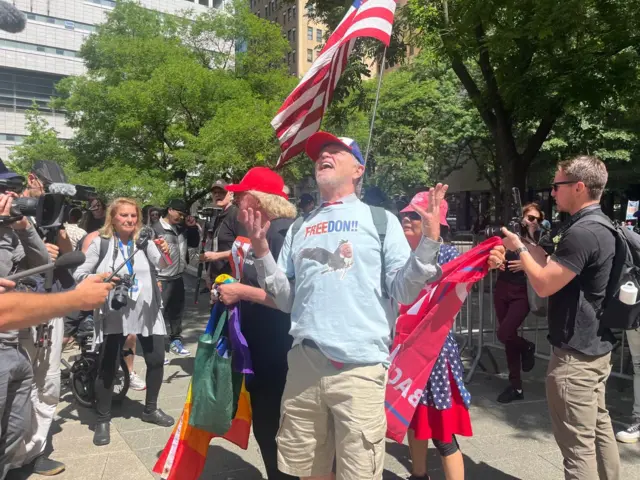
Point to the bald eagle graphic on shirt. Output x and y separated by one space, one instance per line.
339 260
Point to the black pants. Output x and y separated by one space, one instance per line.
153 350
265 406
173 301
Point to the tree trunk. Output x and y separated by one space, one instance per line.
514 174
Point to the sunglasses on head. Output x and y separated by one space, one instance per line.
557 185
410 215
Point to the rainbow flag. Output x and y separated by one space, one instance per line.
185 453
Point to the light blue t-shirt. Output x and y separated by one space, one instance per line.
331 282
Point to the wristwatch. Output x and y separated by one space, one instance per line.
518 251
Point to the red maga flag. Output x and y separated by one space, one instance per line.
421 331
301 113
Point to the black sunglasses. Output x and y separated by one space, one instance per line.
410 215
555 185
533 218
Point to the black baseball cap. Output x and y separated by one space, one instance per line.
179 205
220 183
49 172
306 199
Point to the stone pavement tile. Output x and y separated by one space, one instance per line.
89 467
524 466
237 464
512 445
67 446
125 466
143 439
132 423
149 456
629 453
485 424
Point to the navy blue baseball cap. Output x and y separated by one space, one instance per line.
6 174
319 140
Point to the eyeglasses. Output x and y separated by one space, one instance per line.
413 216
555 185
533 218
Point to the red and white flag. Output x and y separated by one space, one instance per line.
301 113
421 331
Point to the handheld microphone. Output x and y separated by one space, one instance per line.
149 234
66 261
12 20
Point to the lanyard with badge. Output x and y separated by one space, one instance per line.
134 291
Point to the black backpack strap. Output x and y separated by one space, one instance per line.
380 221
621 258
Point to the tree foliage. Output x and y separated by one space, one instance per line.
184 100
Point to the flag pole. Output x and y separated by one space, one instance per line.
375 105
373 119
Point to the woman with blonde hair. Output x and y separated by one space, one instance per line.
265 328
138 314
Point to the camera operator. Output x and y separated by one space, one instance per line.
20 248
512 307
575 279
180 238
133 308
44 344
226 228
94 219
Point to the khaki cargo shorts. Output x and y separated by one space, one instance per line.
329 412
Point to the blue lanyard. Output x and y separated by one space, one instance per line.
129 249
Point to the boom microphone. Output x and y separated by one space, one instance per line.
12 20
62 188
66 261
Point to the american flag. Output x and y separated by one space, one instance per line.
301 113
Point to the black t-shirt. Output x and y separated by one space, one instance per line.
515 278
266 329
226 228
587 249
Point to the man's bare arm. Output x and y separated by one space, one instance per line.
21 310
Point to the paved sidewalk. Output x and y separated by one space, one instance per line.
509 442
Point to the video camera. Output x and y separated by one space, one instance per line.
515 224
49 209
209 212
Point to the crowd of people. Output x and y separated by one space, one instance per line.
319 293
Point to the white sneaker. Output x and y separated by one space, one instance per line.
630 435
136 383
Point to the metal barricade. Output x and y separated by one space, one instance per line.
475 327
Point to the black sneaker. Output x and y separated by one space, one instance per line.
510 394
158 417
631 434
529 357
47 467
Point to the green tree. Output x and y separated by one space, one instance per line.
186 99
524 64
113 180
424 129
41 143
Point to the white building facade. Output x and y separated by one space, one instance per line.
34 60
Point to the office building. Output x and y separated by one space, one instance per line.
305 36
34 60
